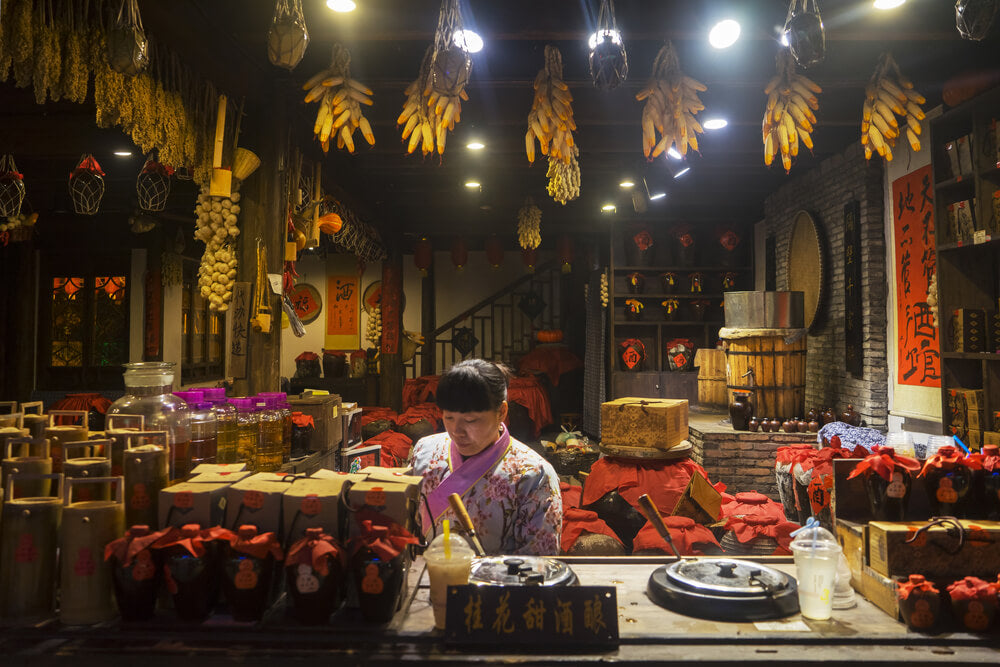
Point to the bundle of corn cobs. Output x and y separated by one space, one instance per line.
428 115
551 118
564 177
887 95
789 117
671 105
340 99
529 225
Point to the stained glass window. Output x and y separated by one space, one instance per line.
68 311
110 322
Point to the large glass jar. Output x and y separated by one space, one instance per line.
247 432
280 401
272 428
148 387
204 434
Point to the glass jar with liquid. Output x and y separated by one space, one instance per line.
247 432
227 450
272 427
280 401
204 434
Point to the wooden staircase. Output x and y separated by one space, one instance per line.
499 323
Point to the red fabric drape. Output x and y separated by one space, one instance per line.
578 521
664 481
753 503
690 538
395 448
883 461
571 495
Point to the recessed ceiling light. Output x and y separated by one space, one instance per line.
473 184
616 38
715 123
672 152
784 39
887 4
657 195
683 171
341 5
123 153
468 41
475 145
724 34
626 184
608 208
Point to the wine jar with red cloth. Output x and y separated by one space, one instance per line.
315 569
689 538
974 603
919 603
248 570
888 479
762 535
948 476
378 566
136 572
191 569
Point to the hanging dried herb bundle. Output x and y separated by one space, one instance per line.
48 54
22 19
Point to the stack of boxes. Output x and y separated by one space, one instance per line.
968 330
967 419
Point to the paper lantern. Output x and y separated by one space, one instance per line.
530 258
494 251
564 251
423 255
459 253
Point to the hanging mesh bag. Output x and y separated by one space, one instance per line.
86 186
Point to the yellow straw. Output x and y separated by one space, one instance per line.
447 539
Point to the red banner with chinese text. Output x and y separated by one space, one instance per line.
919 347
343 301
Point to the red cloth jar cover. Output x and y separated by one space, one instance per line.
664 481
85 402
193 538
136 539
689 537
312 550
791 453
247 541
883 461
570 495
753 503
748 528
415 413
380 534
395 448
973 588
578 521
948 458
989 458
916 582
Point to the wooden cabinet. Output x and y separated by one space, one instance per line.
678 273
966 168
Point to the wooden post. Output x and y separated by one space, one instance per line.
428 323
391 356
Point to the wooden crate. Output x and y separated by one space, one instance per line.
644 422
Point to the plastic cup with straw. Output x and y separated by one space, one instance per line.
449 560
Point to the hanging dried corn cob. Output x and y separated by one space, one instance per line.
564 177
529 225
789 117
887 95
671 105
551 118
340 99
418 121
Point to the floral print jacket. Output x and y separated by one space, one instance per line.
516 506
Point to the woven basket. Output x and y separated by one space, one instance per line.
245 162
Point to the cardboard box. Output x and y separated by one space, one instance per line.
991 437
256 501
853 541
312 502
283 477
965 221
965 154
659 423
203 468
879 590
220 477
323 473
993 326
324 411
968 330
391 494
936 552
971 420
968 399
974 439
202 503
700 501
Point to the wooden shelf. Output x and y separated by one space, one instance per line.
674 269
988 356
658 295
956 182
990 172
990 240
646 323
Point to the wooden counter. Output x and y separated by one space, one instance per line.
649 634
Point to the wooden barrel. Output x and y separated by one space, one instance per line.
777 358
711 365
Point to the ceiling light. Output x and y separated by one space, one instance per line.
784 39
123 153
887 4
715 123
724 34
341 5
473 184
683 171
626 185
468 41
475 145
672 152
657 195
616 38
608 208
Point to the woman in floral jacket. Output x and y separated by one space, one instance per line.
511 493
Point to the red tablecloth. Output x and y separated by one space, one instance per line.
664 481
527 391
553 360
395 448
412 388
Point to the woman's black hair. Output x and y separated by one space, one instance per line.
473 385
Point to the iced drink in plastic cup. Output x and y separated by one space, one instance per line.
446 569
816 570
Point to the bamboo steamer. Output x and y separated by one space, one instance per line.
88 467
28 541
85 577
61 434
777 359
711 365
146 470
33 460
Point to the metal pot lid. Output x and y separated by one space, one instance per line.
727 576
520 571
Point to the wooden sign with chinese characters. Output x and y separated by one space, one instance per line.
919 348
239 308
343 304
532 616
392 290
853 308
153 325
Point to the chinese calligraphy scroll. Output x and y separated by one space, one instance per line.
919 348
343 304
853 311
240 311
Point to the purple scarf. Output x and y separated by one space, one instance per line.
464 474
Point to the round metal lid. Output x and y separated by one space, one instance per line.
520 570
727 576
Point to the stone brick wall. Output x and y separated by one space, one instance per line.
823 192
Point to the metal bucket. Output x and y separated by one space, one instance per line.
60 435
85 577
764 310
117 428
94 463
28 463
146 470
34 419
28 540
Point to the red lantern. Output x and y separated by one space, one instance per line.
459 253
564 250
423 255
494 251
528 256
